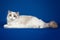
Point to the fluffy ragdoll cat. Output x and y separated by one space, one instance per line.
14 20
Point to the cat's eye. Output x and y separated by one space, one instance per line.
14 15
10 15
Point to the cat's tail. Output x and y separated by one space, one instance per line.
53 24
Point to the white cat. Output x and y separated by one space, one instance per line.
25 21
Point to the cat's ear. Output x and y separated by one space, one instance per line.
9 11
17 13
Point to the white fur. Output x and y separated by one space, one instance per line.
23 21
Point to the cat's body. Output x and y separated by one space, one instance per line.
26 21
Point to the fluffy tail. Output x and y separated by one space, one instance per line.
53 24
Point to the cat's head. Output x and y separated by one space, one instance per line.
12 15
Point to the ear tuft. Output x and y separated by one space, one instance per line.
9 11
17 13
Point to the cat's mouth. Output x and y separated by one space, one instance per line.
12 19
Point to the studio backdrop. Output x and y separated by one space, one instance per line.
46 10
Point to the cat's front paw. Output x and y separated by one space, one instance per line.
5 25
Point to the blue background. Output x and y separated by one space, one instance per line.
46 10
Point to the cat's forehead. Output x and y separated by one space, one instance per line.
13 12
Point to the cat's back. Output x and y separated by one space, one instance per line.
25 17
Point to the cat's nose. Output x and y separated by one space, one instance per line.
12 19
